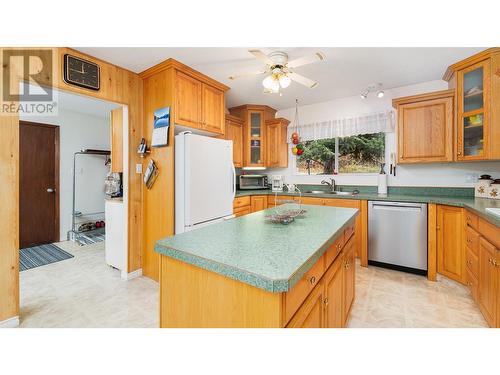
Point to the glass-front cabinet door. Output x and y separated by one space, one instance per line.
473 99
255 156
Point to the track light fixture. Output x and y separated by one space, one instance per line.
376 87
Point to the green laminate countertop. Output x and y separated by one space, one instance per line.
476 205
252 250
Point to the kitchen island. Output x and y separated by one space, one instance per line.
247 272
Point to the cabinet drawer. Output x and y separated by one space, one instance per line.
241 201
333 251
472 262
300 291
311 200
240 211
472 284
471 220
472 240
348 232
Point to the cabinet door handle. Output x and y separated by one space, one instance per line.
459 153
325 301
469 262
438 227
469 241
312 280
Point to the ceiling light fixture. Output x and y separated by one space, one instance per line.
375 87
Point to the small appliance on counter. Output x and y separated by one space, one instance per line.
252 181
277 183
113 185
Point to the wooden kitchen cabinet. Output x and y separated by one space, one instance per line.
451 259
199 104
334 298
476 81
212 109
488 287
425 127
264 136
349 264
234 132
312 313
187 100
276 141
258 203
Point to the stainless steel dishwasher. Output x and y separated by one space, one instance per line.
397 236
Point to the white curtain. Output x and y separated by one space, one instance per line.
381 122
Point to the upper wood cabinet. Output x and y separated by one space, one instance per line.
117 140
476 81
276 141
212 109
264 136
198 104
425 127
234 132
188 100
450 232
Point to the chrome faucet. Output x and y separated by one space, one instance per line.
331 184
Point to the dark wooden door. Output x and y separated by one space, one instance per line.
38 184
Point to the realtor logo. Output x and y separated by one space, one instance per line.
27 82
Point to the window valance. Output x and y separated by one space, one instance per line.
345 127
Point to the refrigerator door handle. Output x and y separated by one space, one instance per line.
234 180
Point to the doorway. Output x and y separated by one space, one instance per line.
38 184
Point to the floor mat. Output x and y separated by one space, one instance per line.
91 237
41 255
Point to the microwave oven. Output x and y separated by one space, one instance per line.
252 181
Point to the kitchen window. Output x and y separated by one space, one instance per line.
355 154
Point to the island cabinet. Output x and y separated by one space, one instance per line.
329 303
476 81
425 130
199 104
451 255
234 132
213 286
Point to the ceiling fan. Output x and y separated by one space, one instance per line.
281 71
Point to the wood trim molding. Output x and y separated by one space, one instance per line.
234 118
423 97
171 63
253 107
468 61
432 241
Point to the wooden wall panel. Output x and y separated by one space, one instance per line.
117 85
159 210
9 212
116 128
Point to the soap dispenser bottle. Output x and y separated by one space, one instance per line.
382 181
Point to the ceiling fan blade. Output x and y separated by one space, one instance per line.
262 71
318 56
302 80
261 56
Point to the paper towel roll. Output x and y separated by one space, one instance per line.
382 184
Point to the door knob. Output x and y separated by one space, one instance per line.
49 190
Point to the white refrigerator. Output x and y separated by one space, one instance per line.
205 181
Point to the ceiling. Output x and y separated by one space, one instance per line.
346 71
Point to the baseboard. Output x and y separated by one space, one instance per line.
131 275
10 323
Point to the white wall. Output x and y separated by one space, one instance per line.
78 131
442 174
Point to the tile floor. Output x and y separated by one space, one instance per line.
85 292
386 298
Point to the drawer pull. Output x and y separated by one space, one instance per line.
312 280
469 262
